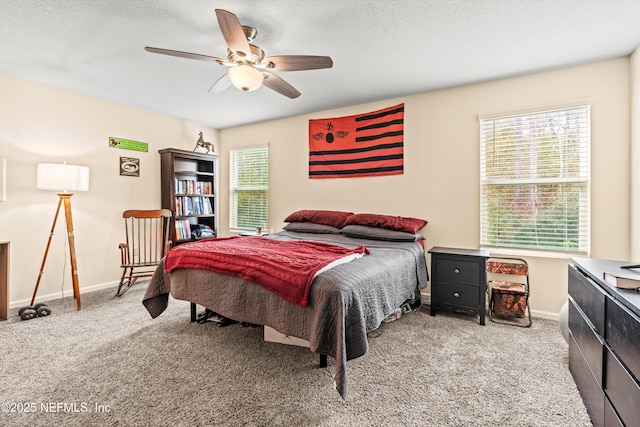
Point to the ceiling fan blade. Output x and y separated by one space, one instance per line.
297 62
279 85
187 55
221 84
233 33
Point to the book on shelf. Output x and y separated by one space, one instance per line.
193 205
183 229
191 186
623 279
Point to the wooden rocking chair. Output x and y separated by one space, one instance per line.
147 242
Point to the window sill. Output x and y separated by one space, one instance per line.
242 230
518 252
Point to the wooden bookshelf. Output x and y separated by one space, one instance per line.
188 187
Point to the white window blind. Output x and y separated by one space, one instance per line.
249 188
534 177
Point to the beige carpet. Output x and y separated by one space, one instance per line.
111 364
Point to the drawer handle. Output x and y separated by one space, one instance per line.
456 294
457 270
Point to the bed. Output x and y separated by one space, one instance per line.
344 302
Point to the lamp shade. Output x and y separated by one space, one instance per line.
245 77
62 177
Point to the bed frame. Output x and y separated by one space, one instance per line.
346 302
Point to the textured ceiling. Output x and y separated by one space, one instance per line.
380 49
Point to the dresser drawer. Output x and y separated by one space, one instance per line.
611 418
589 297
623 390
590 344
454 270
458 295
590 390
622 333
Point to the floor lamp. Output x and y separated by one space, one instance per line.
65 179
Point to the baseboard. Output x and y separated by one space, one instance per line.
545 315
66 293
425 298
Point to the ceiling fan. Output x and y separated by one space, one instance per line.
249 68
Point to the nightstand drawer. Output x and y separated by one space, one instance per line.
458 295
458 271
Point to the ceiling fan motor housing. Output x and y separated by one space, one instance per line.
250 33
255 57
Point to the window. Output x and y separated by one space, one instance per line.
249 190
534 178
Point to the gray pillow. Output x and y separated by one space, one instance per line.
379 233
311 227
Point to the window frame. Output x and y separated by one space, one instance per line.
234 188
581 197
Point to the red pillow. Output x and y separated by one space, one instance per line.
332 218
410 225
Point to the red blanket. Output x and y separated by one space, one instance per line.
286 268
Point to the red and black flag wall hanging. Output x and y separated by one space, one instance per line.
368 144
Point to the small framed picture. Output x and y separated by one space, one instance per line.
129 166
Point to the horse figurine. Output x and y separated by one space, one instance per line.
202 143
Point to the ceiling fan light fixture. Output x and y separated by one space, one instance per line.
245 77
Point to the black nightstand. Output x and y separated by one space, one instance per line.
459 280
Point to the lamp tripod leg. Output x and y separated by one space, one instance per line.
72 249
46 252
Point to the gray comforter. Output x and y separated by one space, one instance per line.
346 301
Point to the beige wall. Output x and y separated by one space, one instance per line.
41 123
635 155
441 179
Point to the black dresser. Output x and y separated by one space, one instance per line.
604 343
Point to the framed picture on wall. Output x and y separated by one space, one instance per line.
129 166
